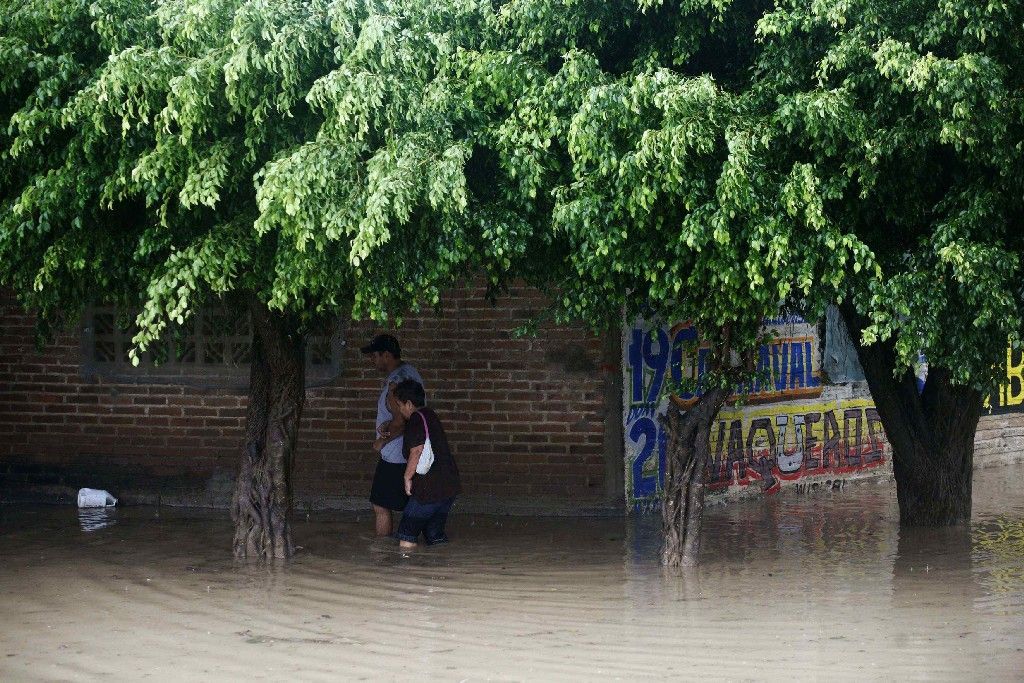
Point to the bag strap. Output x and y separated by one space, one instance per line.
426 430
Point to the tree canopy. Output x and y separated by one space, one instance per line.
309 153
912 114
712 160
715 161
634 130
60 241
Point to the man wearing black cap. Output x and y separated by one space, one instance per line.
387 493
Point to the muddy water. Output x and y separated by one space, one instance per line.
824 586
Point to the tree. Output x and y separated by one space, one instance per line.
910 112
626 128
298 158
699 155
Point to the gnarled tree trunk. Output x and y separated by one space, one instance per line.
263 495
687 458
931 432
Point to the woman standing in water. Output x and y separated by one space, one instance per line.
431 494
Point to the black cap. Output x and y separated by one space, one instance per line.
383 342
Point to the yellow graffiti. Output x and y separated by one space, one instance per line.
790 410
1010 393
1013 392
789 441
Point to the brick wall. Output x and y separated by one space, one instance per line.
526 416
999 439
536 423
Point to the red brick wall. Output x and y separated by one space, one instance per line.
526 416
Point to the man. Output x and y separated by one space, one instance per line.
387 493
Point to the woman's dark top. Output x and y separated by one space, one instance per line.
442 481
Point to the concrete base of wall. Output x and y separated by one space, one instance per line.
539 506
999 441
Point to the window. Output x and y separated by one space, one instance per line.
212 348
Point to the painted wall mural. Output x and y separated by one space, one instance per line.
792 361
1010 396
789 427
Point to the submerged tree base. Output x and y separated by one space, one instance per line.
688 455
263 497
931 431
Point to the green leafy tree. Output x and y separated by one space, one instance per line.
624 129
720 161
55 195
299 159
912 114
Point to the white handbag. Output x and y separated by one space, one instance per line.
427 455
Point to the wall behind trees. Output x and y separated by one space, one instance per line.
526 416
538 424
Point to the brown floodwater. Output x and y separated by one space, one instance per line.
819 586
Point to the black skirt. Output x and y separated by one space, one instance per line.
388 488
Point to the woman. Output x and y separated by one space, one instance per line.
430 495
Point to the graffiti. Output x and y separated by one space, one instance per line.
785 443
1008 398
648 468
1010 395
789 365
766 446
773 439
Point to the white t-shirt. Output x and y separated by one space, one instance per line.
392 451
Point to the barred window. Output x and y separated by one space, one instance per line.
212 348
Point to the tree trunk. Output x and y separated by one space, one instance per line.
931 432
263 494
688 455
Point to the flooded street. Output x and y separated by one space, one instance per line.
820 586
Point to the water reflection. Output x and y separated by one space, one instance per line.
999 545
94 519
